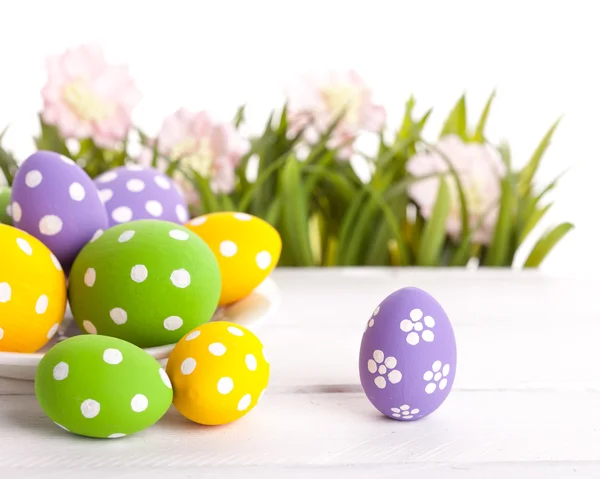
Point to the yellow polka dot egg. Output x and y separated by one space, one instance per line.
32 292
219 373
246 247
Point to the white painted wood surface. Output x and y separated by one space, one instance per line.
525 404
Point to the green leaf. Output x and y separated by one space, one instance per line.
227 203
8 165
534 218
263 176
295 212
273 213
479 130
50 139
210 204
435 228
527 173
456 123
240 116
546 243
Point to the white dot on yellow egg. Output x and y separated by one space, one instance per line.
187 366
225 385
139 403
198 221
192 335
24 246
251 362
5 292
1 333
52 331
89 278
50 225
90 408
60 371
89 327
228 248
55 261
242 216
41 305
217 349
244 402
235 331
263 259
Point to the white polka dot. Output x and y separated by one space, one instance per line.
139 403
107 177
180 278
443 384
154 208
225 385
200 220
437 365
89 278
9 210
90 408
415 411
406 325
192 335
139 273
242 216
116 435
126 236
395 376
380 382
122 214
60 371
427 336
228 248
430 388
131 167
416 314
89 327
429 321
5 292
62 427
135 185
418 326
446 369
55 262
41 305
76 192
428 376
251 363
16 211
172 323
371 366
235 331
1 333
179 235
437 376
52 331
244 402
24 246
182 213
118 315
67 160
263 259
33 178
165 378
217 349
112 356
187 366
382 369
50 225
395 409
378 356
412 338
162 182
371 323
391 362
97 235
376 312
105 195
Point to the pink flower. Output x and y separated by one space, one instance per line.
85 97
479 168
315 102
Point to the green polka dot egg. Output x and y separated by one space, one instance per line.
102 387
148 282
5 205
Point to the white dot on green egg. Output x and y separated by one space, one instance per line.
180 278
154 208
33 178
263 259
198 221
89 327
41 305
52 331
50 225
126 236
60 371
173 323
242 216
139 403
90 408
16 211
105 195
112 356
235 331
225 385
179 235
244 402
181 212
165 378
24 246
55 262
187 366
192 335
118 315
217 349
139 273
162 182
122 214
76 191
116 435
5 292
228 248
89 278
135 185
251 362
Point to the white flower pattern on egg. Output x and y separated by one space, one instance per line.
404 412
384 367
418 327
436 377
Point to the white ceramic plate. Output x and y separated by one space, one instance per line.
251 312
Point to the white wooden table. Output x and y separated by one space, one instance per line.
525 404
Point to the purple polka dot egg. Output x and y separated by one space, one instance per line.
134 192
407 360
56 201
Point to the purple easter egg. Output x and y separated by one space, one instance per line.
56 201
407 359
134 192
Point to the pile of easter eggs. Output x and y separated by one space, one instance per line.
137 273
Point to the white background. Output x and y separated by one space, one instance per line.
542 57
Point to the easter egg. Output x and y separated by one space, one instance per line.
33 292
148 282
134 192
102 387
407 359
54 200
5 205
246 247
219 373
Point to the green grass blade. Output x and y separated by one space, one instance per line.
533 220
546 243
435 228
456 123
480 129
527 173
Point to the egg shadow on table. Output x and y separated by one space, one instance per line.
173 419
